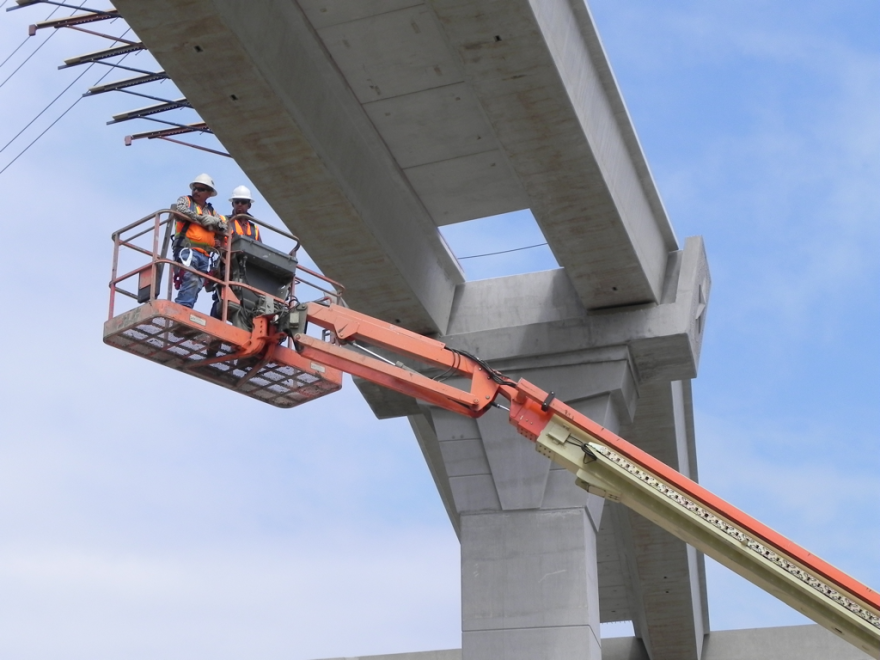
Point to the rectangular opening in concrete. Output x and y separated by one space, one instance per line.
499 245
616 629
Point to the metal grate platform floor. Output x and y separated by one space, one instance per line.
185 340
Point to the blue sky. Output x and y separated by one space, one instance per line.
132 529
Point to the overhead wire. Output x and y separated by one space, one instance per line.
72 105
27 59
17 48
26 39
490 254
51 103
36 50
55 99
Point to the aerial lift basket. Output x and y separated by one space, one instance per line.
193 343
256 364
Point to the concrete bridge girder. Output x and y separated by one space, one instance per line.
540 74
367 125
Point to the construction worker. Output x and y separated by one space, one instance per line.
195 238
239 223
241 205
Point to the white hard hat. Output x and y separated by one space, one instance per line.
242 192
204 180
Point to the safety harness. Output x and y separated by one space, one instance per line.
183 246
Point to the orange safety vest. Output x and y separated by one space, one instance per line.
199 238
238 229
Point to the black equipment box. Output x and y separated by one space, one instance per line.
275 262
266 269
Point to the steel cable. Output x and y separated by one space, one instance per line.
27 59
55 99
46 130
490 254
17 48
37 48
28 125
26 38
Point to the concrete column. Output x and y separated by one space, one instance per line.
528 535
667 574
529 586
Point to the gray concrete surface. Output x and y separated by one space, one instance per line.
528 537
452 654
528 587
784 643
369 124
788 643
665 576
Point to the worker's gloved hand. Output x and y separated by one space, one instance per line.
214 223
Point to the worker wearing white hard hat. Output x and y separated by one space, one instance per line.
241 224
240 218
195 237
242 193
204 181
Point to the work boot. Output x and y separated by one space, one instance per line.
246 364
213 348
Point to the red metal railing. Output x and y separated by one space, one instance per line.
260 363
151 238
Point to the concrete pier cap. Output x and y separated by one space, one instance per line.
542 565
537 321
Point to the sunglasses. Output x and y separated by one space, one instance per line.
201 189
241 201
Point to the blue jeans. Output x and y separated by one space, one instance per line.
192 283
